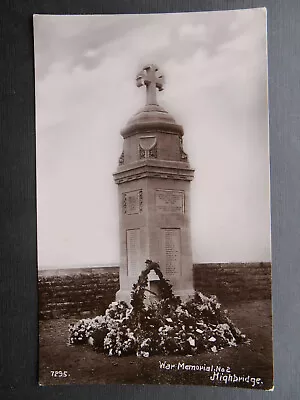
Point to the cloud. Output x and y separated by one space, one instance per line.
67 39
194 31
215 70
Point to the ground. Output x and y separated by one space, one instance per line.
85 366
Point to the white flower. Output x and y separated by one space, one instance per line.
212 339
191 341
91 341
169 319
224 326
199 331
214 349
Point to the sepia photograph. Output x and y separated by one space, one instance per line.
153 199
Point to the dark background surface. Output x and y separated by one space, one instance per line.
18 274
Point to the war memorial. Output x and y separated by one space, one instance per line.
187 298
154 178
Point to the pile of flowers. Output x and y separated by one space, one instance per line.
167 326
82 331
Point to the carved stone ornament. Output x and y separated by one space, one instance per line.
142 153
140 204
141 200
124 203
121 158
153 152
151 77
183 155
148 147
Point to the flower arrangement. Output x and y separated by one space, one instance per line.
167 326
83 330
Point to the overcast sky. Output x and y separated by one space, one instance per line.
215 69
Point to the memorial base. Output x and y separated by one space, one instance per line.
185 295
124 295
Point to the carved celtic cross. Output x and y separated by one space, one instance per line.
152 79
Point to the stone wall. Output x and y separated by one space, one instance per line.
78 292
234 282
88 292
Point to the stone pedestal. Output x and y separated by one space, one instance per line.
153 178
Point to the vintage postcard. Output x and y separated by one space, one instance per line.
153 198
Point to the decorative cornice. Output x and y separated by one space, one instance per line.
157 163
147 170
135 177
152 126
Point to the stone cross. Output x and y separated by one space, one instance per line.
152 79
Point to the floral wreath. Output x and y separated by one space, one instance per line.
168 326
165 289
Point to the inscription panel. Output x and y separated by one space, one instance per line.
169 201
171 247
132 202
133 245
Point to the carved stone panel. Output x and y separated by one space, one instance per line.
169 201
133 247
171 248
132 202
148 147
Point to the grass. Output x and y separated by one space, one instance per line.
85 366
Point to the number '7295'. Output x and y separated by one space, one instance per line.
59 374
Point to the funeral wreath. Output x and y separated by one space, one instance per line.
165 326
